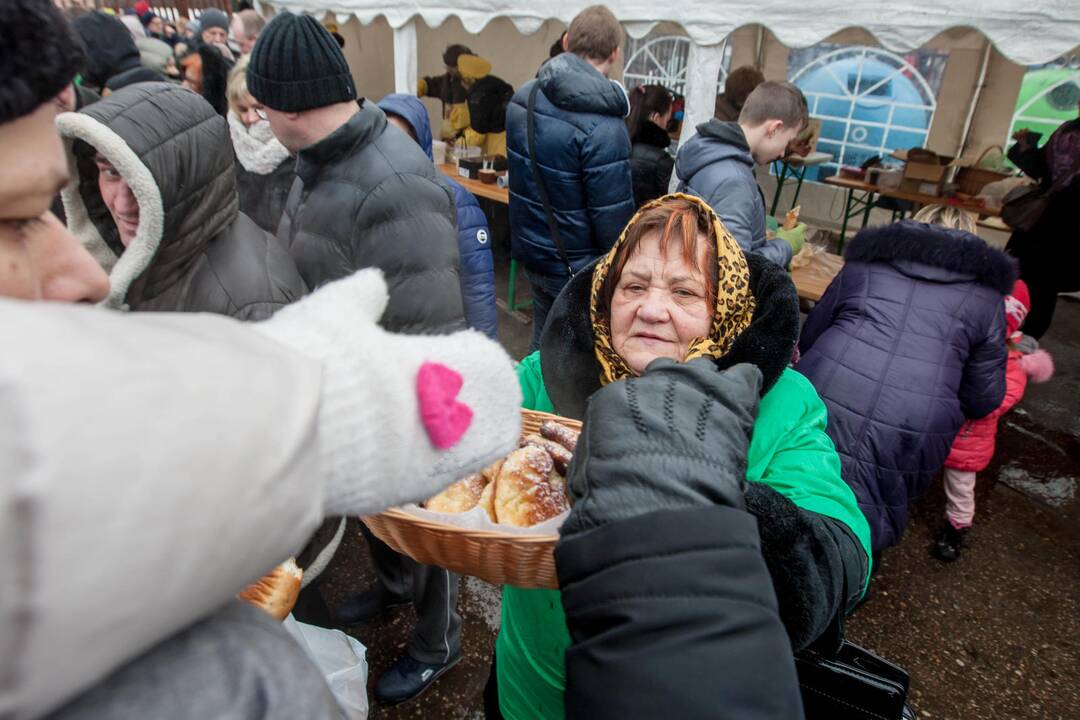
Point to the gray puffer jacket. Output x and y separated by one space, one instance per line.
716 165
369 197
193 251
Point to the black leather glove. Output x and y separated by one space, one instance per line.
673 438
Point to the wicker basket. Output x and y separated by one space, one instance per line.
525 561
971 180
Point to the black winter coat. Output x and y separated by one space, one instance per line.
816 563
366 197
584 153
907 342
263 197
672 615
193 250
650 163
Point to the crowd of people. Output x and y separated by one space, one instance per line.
310 289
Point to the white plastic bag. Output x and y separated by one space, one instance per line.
341 659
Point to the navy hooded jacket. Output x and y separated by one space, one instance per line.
716 165
907 342
474 238
584 153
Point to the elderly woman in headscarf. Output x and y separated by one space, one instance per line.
676 285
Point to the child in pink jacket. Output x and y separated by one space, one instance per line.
974 444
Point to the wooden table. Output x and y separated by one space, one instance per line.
477 188
500 195
854 205
794 166
812 280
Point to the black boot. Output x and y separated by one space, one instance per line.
949 542
367 605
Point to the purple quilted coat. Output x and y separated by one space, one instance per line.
905 344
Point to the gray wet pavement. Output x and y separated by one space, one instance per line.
993 635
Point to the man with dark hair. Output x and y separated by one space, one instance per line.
718 163
571 193
450 91
738 85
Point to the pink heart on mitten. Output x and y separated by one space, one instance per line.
444 418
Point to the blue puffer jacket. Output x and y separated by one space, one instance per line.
584 149
474 238
716 165
907 342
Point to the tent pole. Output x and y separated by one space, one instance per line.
702 70
405 62
965 135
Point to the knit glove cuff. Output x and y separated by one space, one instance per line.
400 417
795 237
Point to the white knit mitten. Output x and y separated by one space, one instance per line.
401 416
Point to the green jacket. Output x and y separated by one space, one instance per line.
789 452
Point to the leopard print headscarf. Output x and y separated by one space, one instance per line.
733 310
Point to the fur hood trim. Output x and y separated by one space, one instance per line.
137 257
953 250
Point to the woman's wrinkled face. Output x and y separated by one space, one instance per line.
660 304
247 109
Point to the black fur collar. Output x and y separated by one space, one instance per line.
936 246
572 374
652 134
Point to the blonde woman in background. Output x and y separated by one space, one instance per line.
264 171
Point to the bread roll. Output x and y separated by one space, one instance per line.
792 218
492 471
487 500
524 496
558 453
277 591
459 497
560 433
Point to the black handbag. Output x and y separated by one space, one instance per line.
1022 207
852 684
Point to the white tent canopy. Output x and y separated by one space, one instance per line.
1027 33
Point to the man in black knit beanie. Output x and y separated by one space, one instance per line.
366 195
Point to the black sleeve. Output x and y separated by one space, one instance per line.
816 564
215 78
672 615
664 166
436 86
1032 161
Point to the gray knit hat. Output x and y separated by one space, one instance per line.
215 18
297 65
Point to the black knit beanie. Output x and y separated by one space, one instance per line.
39 56
297 65
110 48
